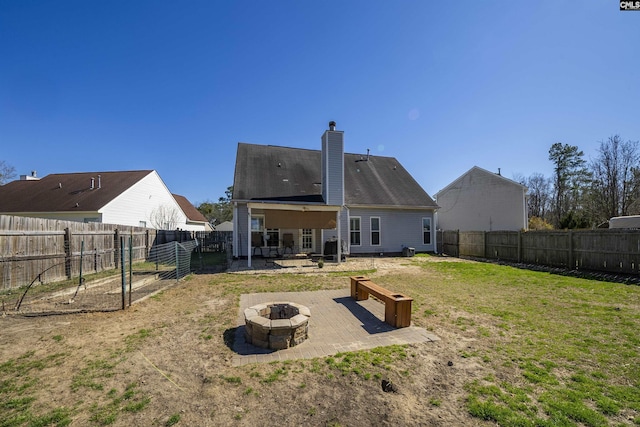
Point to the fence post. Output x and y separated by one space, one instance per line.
67 252
571 265
130 267
81 261
484 245
146 244
177 262
519 246
116 247
123 275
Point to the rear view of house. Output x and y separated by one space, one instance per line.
291 200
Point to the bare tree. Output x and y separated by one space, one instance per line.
7 172
165 217
539 192
614 177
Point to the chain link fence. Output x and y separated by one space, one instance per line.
107 290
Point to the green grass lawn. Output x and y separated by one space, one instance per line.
557 350
573 343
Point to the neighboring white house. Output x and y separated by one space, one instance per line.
307 201
135 198
480 200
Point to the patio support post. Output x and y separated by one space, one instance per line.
248 236
339 245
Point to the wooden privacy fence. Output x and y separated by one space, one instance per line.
607 250
31 246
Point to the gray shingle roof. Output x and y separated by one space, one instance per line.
267 172
61 191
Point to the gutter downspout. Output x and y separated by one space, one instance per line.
526 210
435 234
435 226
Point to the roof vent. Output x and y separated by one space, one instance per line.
332 125
93 183
32 177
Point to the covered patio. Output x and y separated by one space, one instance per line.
280 228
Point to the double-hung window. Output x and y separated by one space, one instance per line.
375 231
354 231
257 231
426 231
257 224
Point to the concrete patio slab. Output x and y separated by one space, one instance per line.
338 323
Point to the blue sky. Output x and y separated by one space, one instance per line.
441 86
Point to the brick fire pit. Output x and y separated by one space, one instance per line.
276 325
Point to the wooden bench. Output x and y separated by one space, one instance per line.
397 307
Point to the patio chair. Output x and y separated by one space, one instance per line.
287 242
257 243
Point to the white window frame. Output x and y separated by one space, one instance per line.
260 230
260 219
310 234
424 230
272 232
371 231
359 231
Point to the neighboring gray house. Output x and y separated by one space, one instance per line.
480 200
629 221
291 200
224 226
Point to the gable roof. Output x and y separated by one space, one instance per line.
63 192
224 226
480 170
268 172
189 210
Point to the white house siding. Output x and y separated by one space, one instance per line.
398 229
482 201
137 204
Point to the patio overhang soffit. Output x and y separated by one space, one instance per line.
277 215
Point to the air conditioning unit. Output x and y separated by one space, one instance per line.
408 251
